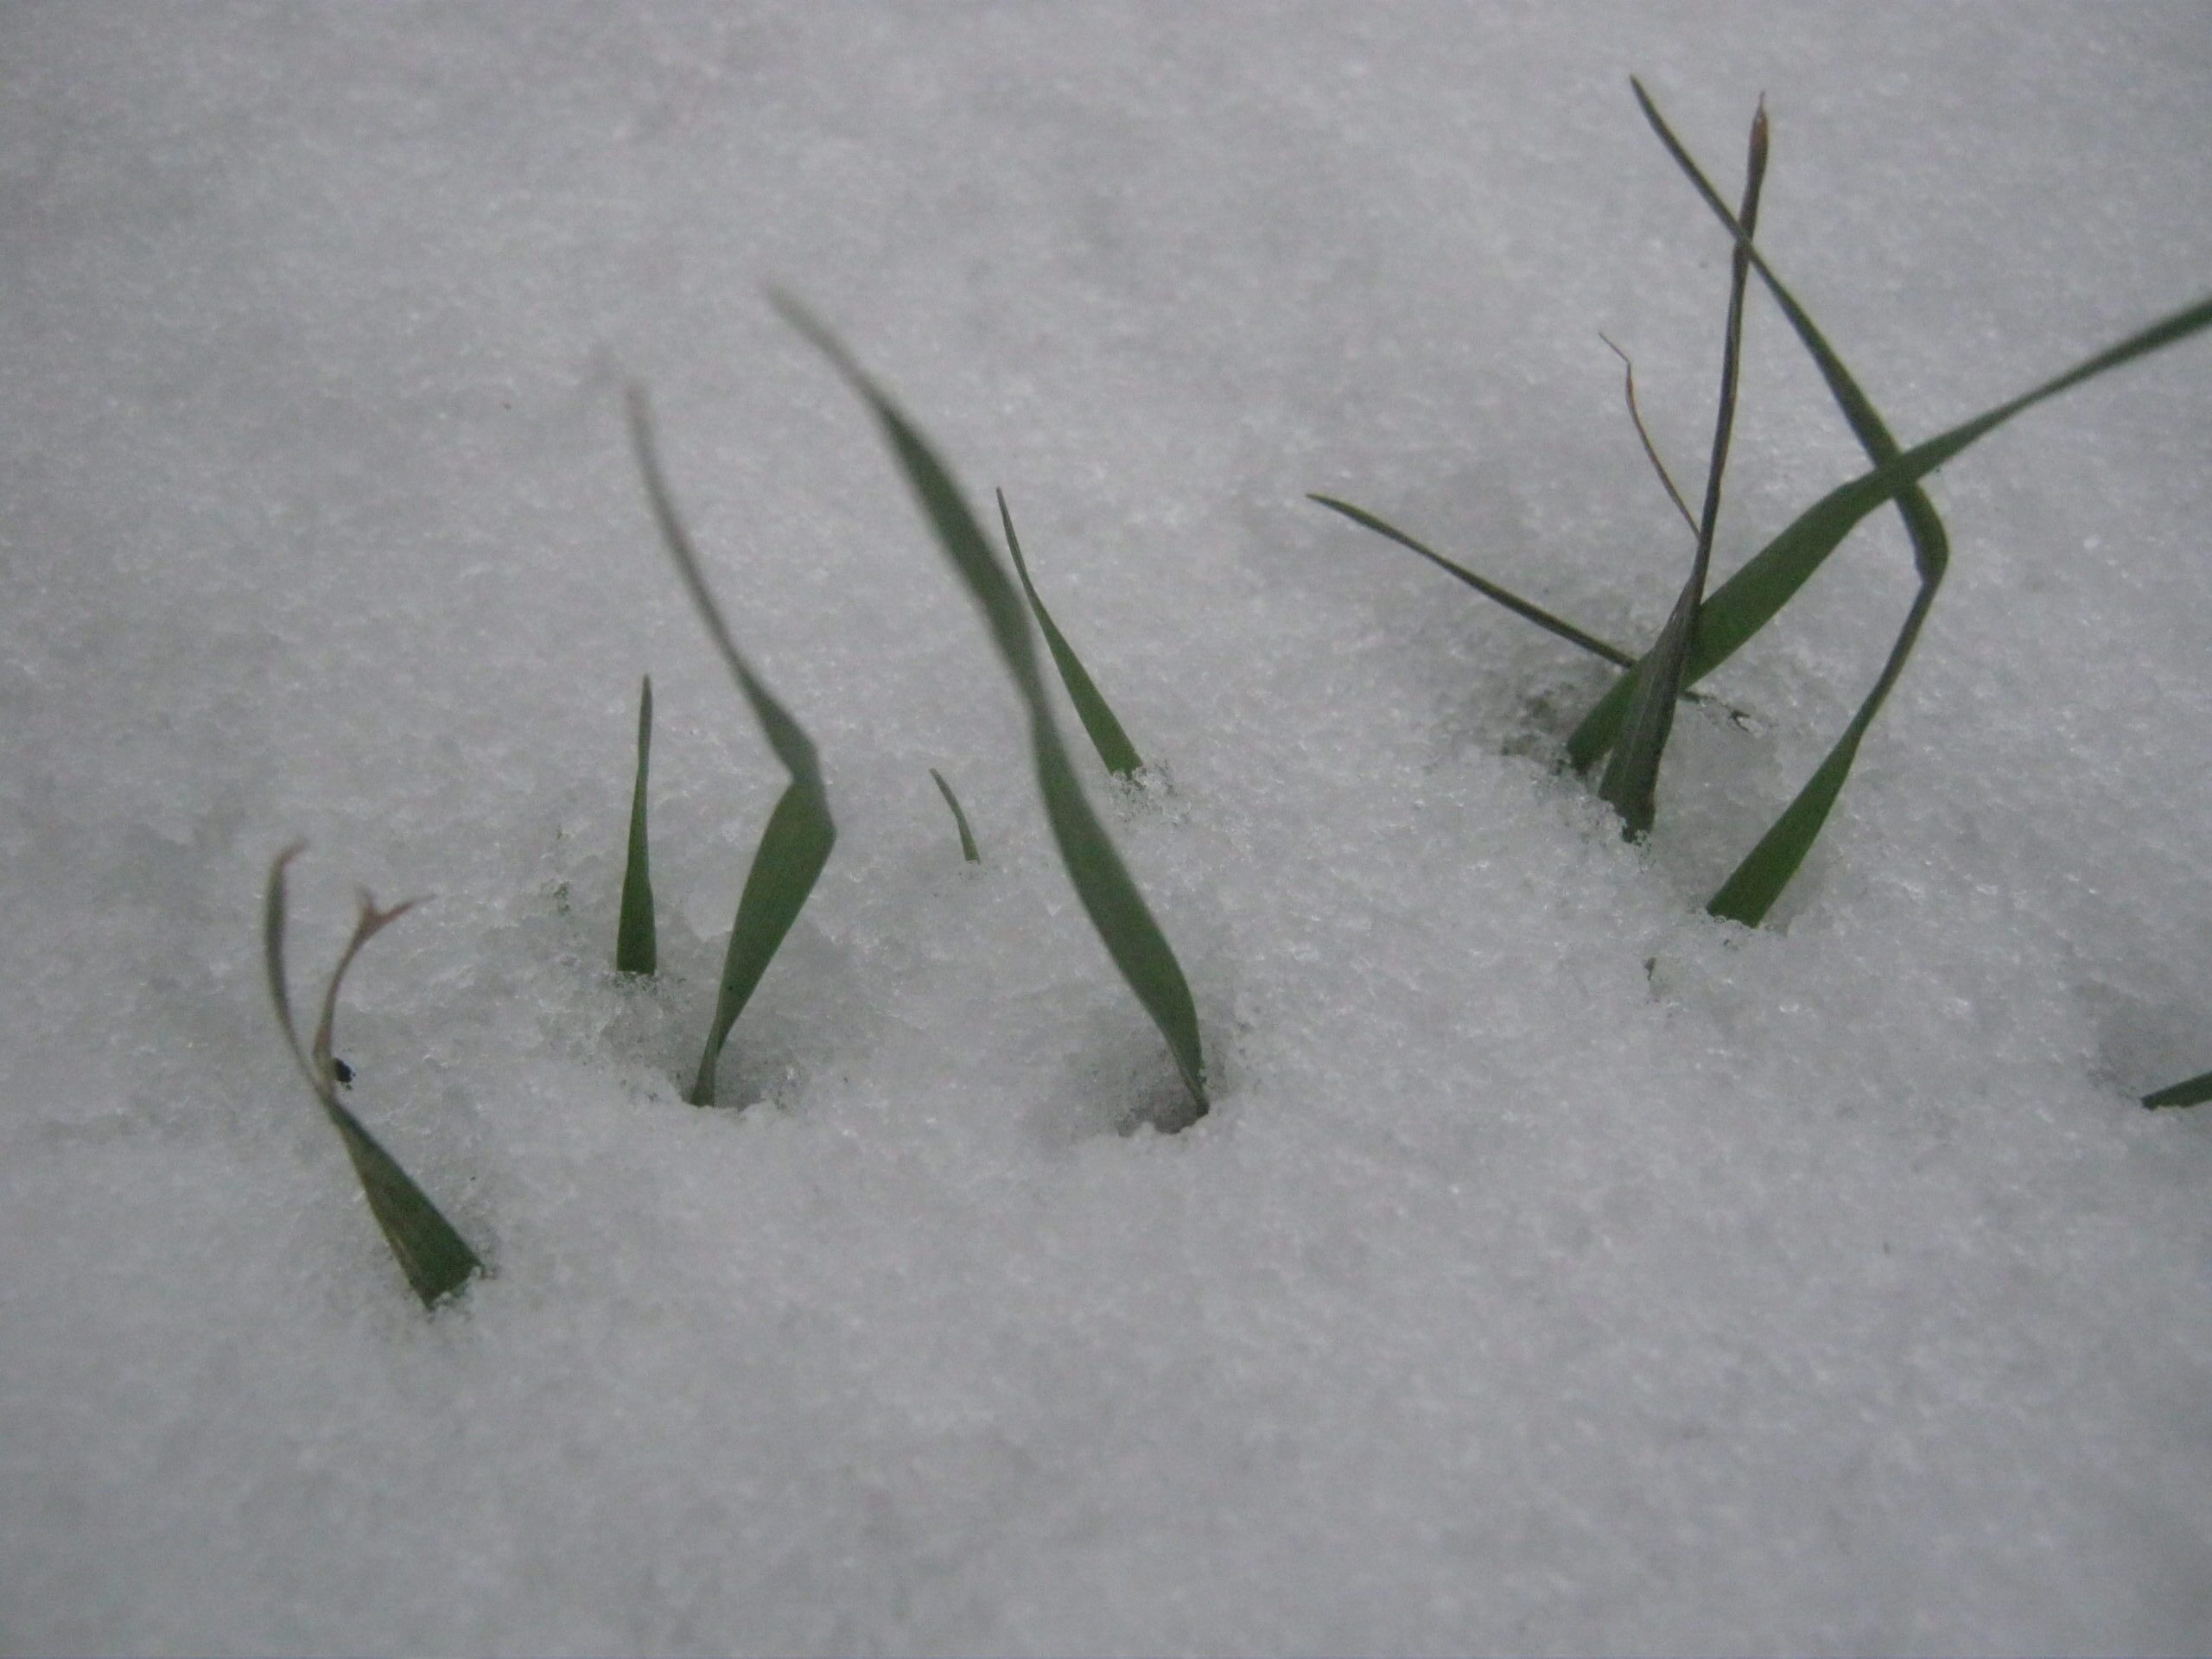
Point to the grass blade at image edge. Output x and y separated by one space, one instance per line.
1749 600
2194 1092
1631 784
1120 755
636 948
800 832
430 1252
968 853
1102 883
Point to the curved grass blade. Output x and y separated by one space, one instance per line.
959 819
1749 600
1109 897
1643 436
2194 1092
800 833
1106 736
1489 590
1631 784
636 948
434 1257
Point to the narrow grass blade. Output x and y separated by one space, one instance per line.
636 948
1489 590
434 1257
1106 736
1643 436
959 819
1631 780
1109 897
1748 601
2194 1092
800 832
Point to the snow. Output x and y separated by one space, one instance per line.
1819 1288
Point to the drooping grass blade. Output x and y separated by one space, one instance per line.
959 819
1109 897
1749 600
635 950
1489 590
434 1257
1643 436
1106 736
1631 784
800 833
2194 1092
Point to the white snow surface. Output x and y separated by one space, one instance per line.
1819 1288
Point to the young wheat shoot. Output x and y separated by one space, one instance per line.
434 1257
795 843
968 853
636 950
1115 749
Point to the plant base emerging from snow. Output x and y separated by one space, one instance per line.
795 843
636 948
1716 627
1102 881
436 1259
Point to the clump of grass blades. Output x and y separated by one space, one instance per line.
434 1257
636 948
1102 881
1740 608
1120 755
2194 1092
968 853
800 832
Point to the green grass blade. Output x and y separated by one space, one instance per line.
1749 600
800 832
959 819
434 1257
636 948
1631 784
1109 897
1489 590
793 849
1106 736
2194 1092
1750 893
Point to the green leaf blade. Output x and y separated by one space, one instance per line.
1109 897
794 848
1119 754
636 944
2194 1092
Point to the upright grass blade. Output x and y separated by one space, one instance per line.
1631 778
635 948
795 843
1106 736
2194 1092
959 819
1109 897
1748 893
436 1259
1748 601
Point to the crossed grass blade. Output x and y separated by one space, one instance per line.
968 852
2194 1092
430 1252
1752 890
1631 780
1749 600
636 947
1109 895
800 832
1120 755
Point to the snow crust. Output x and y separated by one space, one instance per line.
1821 1288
